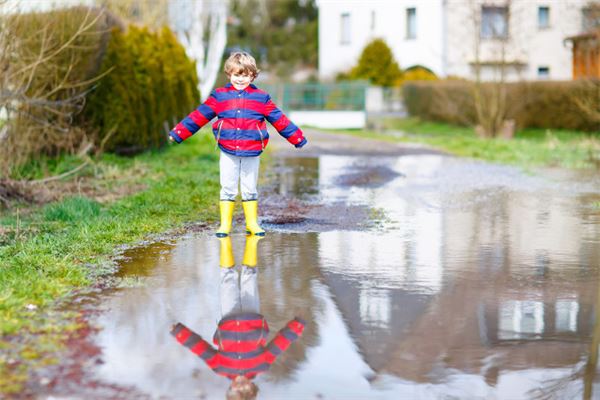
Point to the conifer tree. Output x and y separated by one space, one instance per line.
377 64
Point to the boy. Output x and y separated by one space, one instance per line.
241 134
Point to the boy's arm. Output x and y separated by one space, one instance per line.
284 338
194 342
196 120
284 126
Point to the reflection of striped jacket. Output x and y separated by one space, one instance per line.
240 129
241 340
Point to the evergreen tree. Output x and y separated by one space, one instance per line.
377 64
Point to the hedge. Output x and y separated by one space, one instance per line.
150 84
550 105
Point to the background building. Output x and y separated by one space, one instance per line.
453 37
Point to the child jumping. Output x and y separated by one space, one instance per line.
241 134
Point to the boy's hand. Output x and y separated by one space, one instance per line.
171 139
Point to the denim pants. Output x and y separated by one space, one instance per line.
236 170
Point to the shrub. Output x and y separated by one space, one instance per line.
150 83
377 64
417 73
554 105
47 61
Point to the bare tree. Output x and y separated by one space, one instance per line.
493 24
43 84
491 38
201 27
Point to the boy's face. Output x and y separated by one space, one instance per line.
240 81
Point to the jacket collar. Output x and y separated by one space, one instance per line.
230 87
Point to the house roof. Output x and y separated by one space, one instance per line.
594 33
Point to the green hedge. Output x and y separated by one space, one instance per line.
551 105
150 84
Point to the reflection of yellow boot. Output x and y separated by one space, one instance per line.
251 213
251 250
226 207
226 259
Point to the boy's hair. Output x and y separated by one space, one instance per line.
241 62
242 388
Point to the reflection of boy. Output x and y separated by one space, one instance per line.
241 338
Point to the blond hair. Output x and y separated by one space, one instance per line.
241 63
242 388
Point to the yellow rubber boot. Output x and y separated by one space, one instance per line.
251 250
251 213
226 208
226 259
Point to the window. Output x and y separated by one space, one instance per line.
566 315
494 22
372 20
543 72
591 18
411 23
520 320
345 32
543 17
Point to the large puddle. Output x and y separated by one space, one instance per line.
478 282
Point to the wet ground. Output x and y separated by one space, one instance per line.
419 275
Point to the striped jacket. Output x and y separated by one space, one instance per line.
240 129
241 344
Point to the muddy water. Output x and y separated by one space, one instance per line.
478 281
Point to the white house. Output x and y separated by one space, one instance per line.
451 37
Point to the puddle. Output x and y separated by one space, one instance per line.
482 282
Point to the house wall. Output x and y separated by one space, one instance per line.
379 19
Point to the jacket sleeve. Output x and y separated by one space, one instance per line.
195 343
284 126
284 338
196 120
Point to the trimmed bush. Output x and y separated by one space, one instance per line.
150 84
417 73
551 105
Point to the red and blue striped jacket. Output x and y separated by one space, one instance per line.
241 344
240 129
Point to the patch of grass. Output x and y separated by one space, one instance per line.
529 148
49 252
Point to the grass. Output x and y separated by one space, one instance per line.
529 148
49 252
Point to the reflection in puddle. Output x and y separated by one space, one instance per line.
241 351
483 284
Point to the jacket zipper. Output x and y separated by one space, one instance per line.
219 134
262 143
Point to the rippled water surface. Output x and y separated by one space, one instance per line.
478 281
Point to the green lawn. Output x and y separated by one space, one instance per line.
529 148
47 253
